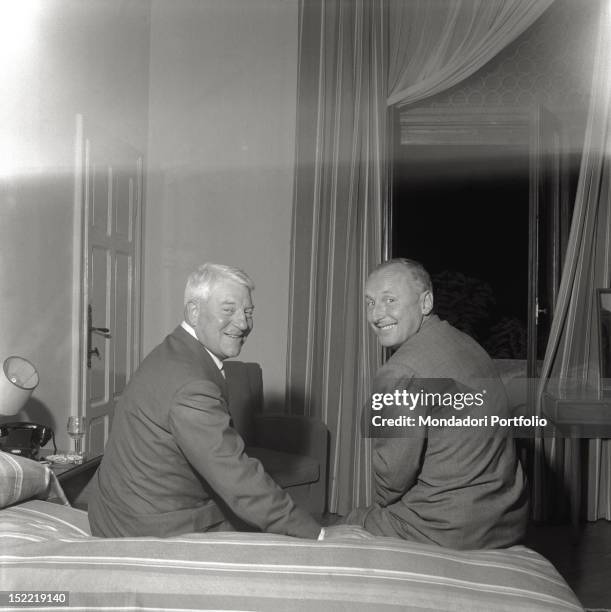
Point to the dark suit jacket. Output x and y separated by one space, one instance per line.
460 487
174 464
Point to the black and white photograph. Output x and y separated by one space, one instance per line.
305 305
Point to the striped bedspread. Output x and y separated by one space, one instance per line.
47 547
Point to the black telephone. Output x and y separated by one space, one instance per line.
25 439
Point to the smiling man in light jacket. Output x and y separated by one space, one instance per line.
459 487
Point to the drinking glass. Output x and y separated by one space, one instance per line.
76 430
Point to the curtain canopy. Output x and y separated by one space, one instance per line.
434 45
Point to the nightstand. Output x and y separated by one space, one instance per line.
74 479
578 416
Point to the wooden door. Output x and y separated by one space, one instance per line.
112 194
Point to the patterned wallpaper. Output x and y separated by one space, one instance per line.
549 64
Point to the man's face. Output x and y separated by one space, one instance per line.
223 321
396 305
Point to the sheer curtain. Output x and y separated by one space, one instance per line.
435 45
337 233
572 352
355 58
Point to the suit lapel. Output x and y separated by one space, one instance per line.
219 379
203 357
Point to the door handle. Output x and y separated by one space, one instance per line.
539 311
102 331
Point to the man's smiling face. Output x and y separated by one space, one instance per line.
223 320
396 304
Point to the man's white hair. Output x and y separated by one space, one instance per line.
201 282
417 270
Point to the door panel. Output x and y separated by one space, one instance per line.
122 324
99 197
123 205
99 263
98 430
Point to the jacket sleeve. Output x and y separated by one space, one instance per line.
392 481
398 458
200 423
398 453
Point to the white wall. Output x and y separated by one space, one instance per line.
221 151
70 57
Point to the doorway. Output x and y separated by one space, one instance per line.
482 199
108 222
463 212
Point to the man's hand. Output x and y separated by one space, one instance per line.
345 532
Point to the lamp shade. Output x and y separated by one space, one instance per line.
17 381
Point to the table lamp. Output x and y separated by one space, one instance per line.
17 381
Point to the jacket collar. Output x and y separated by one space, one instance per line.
204 356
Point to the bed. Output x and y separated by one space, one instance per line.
46 546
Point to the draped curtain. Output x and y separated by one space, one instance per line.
356 57
337 227
571 358
435 45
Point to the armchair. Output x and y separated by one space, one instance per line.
293 449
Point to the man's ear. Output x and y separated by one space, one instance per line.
426 303
192 313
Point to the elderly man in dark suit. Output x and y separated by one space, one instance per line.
456 486
174 464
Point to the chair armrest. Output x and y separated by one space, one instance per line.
295 434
